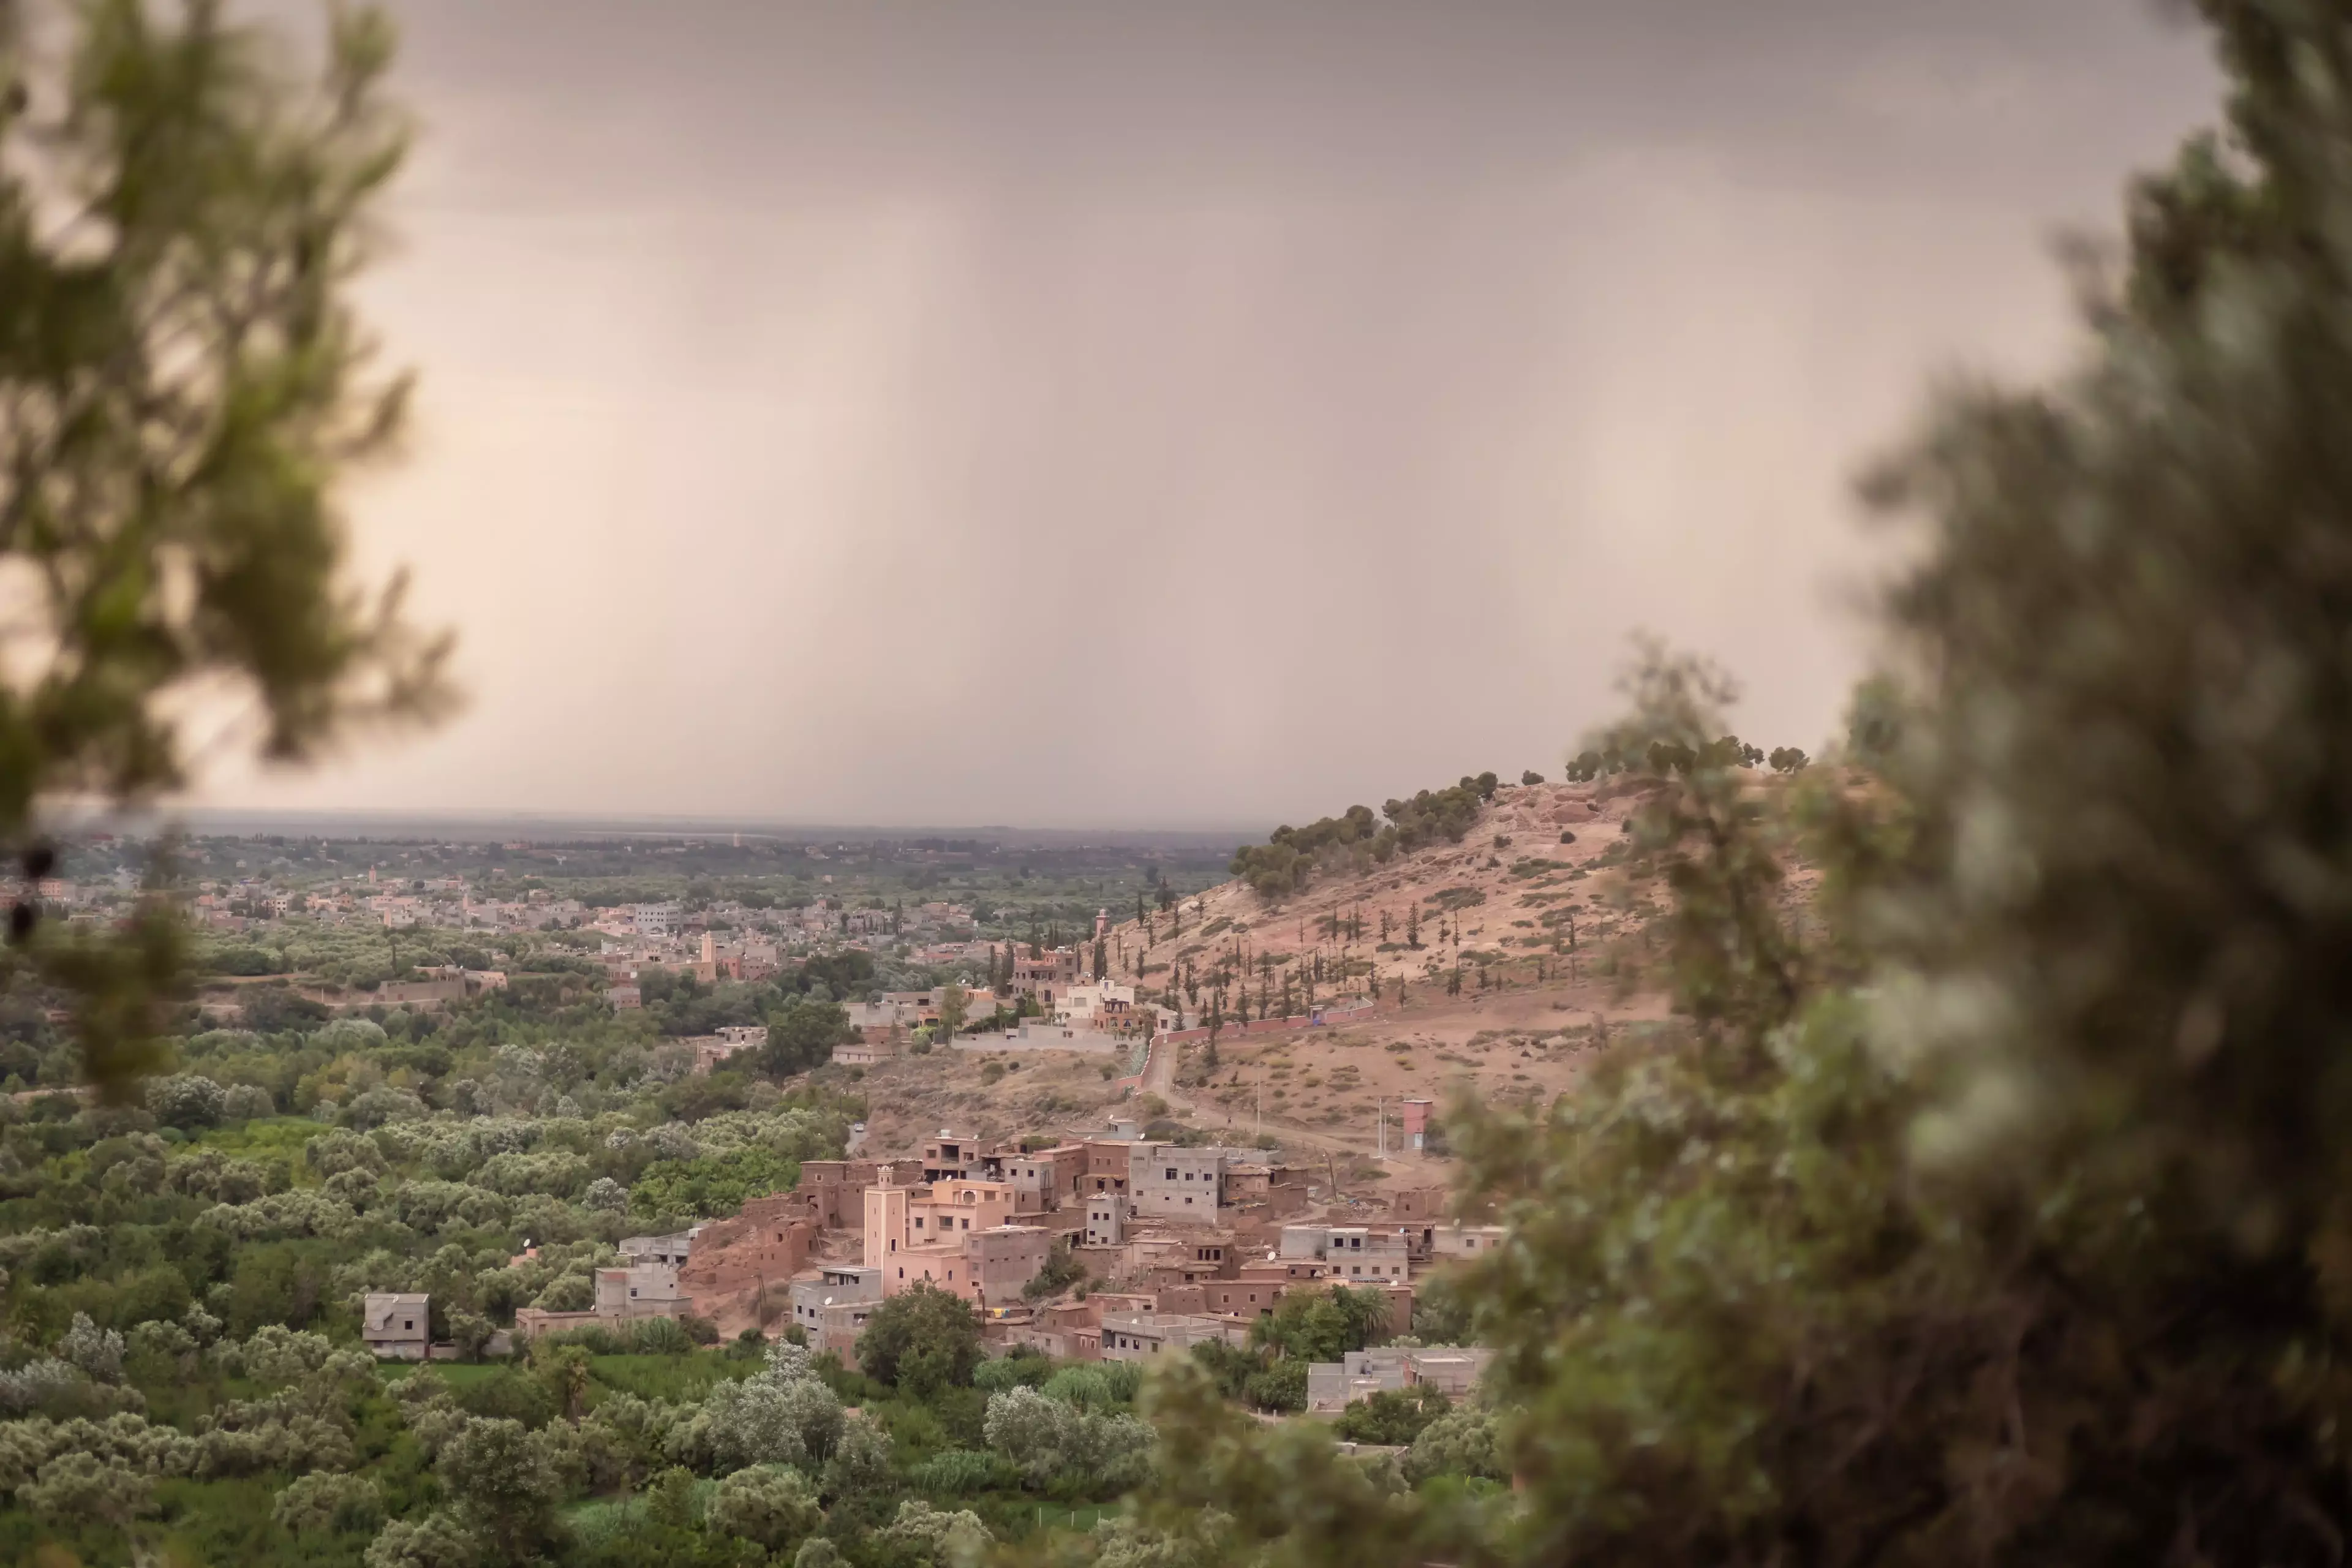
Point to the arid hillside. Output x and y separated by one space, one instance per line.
1499 964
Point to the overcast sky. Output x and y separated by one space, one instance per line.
1168 414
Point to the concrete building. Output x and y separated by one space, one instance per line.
1058 1172
1456 1240
1355 1254
960 1207
928 1233
886 1228
832 1309
1108 1161
1453 1370
835 1190
953 1154
672 1250
1106 1220
397 1325
1244 1298
1285 1271
1360 1254
1425 1204
640 1290
1002 1260
1044 975
884 1025
1181 1186
1275 1192
1070 1330
1140 1336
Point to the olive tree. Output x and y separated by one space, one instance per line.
772 1505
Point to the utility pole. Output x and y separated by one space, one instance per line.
1381 1113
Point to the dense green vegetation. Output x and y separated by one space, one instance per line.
1293 857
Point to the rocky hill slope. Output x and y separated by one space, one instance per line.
1500 962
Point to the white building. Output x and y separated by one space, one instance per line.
1451 1370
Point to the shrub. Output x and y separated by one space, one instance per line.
769 1505
959 1472
324 1502
1019 1369
187 1101
1394 1416
712 1185
1458 1443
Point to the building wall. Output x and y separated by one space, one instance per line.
1244 1298
1356 1254
1448 1241
532 1321
1305 1240
1004 1260
959 1208
886 1223
764 1244
673 1250
640 1290
1145 1335
1418 1203
1183 1185
396 1347
837 1329
944 1267
835 1189
1106 1163
1375 1265
816 1302
397 1326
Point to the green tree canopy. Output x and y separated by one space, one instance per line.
802 1035
921 1340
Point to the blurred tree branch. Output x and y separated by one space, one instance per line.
182 383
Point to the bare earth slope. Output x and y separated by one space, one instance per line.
1535 908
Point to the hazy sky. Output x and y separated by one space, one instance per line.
1176 413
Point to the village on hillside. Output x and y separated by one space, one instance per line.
1140 1246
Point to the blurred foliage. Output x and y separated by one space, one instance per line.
182 384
